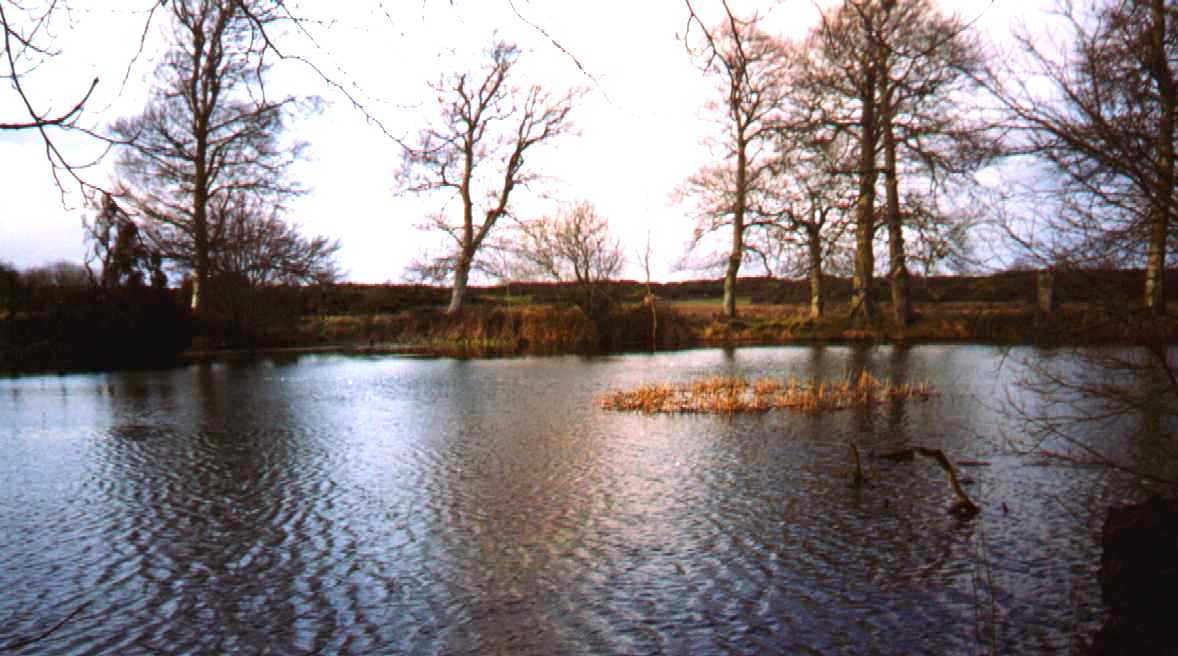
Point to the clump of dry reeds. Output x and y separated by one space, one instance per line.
733 395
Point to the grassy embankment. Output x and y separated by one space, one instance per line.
88 328
1095 307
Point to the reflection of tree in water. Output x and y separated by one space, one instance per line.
510 500
219 516
1112 407
896 409
862 415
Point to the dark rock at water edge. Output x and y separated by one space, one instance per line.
1139 579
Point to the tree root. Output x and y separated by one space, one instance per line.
964 507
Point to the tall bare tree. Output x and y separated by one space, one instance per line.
475 149
930 137
847 60
751 67
894 75
1100 113
209 138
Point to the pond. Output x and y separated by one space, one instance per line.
332 504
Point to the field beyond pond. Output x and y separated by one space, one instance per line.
89 328
1092 307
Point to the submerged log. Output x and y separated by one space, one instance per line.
857 479
21 643
964 507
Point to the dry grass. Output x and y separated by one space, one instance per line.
731 395
539 329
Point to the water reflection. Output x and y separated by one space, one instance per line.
339 505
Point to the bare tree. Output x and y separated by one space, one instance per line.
28 29
1095 108
25 48
1100 115
928 62
485 122
10 289
813 202
257 246
847 48
752 68
894 75
574 246
208 140
646 259
1066 407
249 244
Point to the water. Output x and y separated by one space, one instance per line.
329 504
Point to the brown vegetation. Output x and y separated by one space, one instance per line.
540 318
731 395
500 330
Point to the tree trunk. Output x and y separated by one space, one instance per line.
898 269
654 326
862 306
202 100
1155 265
458 292
815 267
965 507
736 256
1045 282
200 274
654 317
730 282
200 228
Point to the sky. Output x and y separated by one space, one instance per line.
640 131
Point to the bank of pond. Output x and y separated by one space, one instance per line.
96 329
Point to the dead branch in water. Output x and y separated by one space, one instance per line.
20 643
964 507
857 479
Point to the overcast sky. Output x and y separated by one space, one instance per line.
640 127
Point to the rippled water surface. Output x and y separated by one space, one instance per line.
344 505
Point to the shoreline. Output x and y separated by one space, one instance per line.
499 331
96 330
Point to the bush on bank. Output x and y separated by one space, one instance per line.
91 328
